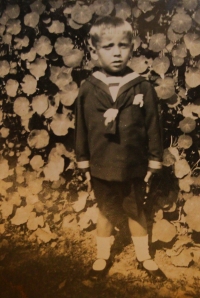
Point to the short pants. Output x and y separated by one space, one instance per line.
114 198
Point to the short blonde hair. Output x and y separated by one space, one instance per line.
106 24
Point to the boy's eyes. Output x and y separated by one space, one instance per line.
124 45
121 45
109 46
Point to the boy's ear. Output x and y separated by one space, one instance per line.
132 47
92 50
93 53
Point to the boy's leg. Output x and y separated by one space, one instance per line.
133 206
138 226
103 238
138 229
103 242
141 243
104 228
139 235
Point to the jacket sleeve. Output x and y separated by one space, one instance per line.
81 134
153 128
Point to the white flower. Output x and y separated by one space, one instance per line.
110 115
138 100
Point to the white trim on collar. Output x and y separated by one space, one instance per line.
122 80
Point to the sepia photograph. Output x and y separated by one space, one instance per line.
99 148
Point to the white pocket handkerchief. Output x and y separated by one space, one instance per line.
138 100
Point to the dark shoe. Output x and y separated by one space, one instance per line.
98 274
157 274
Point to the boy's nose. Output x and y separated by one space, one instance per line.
116 51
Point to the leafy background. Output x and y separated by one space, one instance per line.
43 60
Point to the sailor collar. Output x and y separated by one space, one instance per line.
111 110
102 81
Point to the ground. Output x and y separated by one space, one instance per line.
59 269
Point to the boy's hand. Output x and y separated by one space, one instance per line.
148 179
148 176
88 181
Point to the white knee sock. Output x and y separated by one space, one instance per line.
141 247
103 247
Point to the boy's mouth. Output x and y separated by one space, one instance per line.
118 62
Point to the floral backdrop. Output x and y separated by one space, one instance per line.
43 59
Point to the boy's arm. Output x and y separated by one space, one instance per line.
81 135
152 122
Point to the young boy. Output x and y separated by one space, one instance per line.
118 140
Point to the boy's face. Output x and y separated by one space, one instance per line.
113 51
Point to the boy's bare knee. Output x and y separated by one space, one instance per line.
104 226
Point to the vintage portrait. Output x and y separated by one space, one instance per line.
99 148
